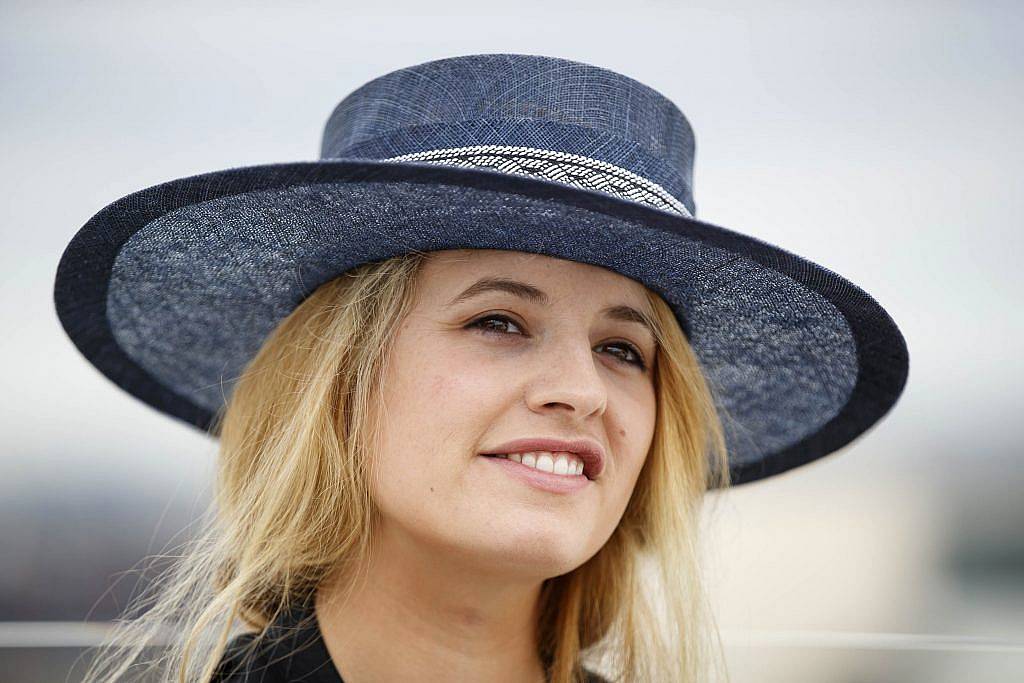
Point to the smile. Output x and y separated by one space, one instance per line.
557 463
541 470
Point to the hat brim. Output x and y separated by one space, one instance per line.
171 290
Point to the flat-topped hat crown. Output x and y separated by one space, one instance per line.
533 115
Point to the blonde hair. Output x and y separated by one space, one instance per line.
292 507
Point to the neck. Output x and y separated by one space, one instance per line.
424 614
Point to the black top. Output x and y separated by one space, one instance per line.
293 650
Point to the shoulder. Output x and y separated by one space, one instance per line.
244 660
282 654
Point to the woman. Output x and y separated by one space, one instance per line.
466 417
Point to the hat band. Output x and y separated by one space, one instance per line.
563 167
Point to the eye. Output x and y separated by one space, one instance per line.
630 349
481 325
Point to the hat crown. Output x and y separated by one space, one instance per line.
592 120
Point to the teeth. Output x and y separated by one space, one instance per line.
556 463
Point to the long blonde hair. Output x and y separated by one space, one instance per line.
291 506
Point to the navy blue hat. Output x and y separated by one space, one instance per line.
171 290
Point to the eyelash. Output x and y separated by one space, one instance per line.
478 324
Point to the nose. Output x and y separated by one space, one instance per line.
567 377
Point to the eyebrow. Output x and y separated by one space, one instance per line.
530 293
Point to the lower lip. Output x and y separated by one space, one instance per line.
546 481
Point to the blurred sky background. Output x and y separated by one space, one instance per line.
879 139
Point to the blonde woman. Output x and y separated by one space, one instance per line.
472 373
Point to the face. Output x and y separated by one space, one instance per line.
468 377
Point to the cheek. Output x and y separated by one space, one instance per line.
426 469
427 384
634 430
630 428
456 402
439 373
438 408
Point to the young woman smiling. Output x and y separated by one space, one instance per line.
472 374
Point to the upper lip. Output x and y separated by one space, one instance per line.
587 450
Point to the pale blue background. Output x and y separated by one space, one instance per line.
879 139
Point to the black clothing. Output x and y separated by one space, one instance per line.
292 650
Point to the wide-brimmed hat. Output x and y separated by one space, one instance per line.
171 290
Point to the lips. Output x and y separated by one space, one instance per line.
590 452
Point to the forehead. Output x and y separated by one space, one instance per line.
446 271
